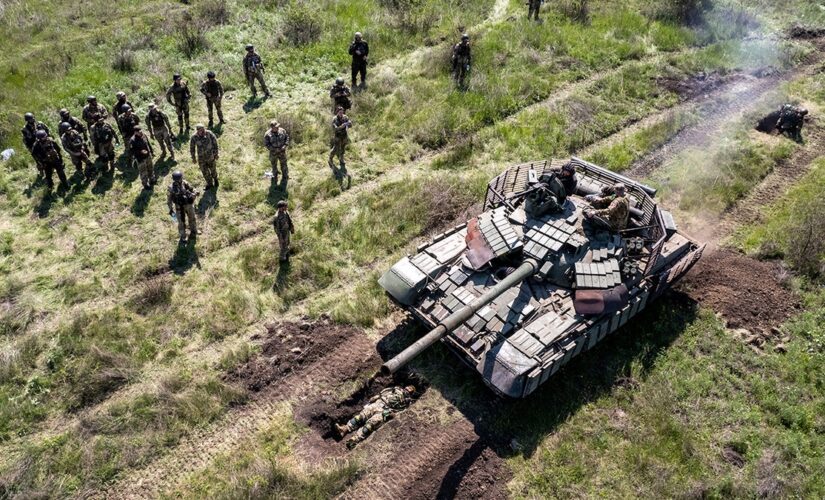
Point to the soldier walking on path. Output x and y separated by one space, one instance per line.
160 130
284 229
46 153
340 138
74 144
74 123
380 408
178 96
462 60
212 89
142 152
340 95
253 69
359 50
203 146
93 108
103 138
276 140
120 105
533 7
180 198
29 132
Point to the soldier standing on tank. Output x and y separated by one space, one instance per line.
791 119
178 96
142 152
340 138
613 210
359 50
461 59
180 198
284 229
253 69
380 409
74 144
93 108
276 140
212 89
29 132
533 7
340 95
46 153
160 130
120 105
203 146
103 139
74 123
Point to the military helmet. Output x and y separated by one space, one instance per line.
339 81
63 127
126 108
177 175
41 134
249 46
121 95
410 389
28 117
619 187
199 126
358 34
137 128
63 112
568 167
339 108
152 105
281 203
465 36
91 98
176 77
210 74
274 123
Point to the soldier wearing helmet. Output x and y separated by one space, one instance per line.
93 108
359 50
120 104
283 229
340 138
791 120
461 59
276 141
178 96
253 69
212 89
127 122
157 123
46 153
73 122
611 211
180 197
340 95
380 408
203 146
141 150
567 175
103 138
75 145
30 129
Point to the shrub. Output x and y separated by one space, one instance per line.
806 250
681 11
302 26
578 10
212 12
192 34
124 61
155 292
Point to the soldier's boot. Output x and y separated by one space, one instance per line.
343 430
220 117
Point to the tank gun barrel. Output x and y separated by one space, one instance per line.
454 320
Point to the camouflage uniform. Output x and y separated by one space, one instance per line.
181 196
791 119
341 96
89 111
47 153
29 130
178 96
253 69
103 136
548 196
74 144
613 213
570 182
119 108
359 50
461 61
213 91
206 147
127 123
157 123
76 125
533 9
340 139
379 409
142 152
276 143
283 228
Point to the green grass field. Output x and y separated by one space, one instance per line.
114 340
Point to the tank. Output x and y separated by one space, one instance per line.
518 292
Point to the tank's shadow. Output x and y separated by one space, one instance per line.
511 427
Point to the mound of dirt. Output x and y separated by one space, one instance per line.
696 85
287 348
748 293
805 32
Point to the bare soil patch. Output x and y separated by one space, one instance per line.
696 85
748 293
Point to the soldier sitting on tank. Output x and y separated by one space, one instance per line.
567 176
612 209
380 408
547 196
791 119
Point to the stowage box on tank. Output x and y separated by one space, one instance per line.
520 290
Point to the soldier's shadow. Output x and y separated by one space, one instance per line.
105 180
277 192
518 426
141 202
252 104
49 197
128 169
217 130
38 182
162 168
79 183
184 258
281 279
209 200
